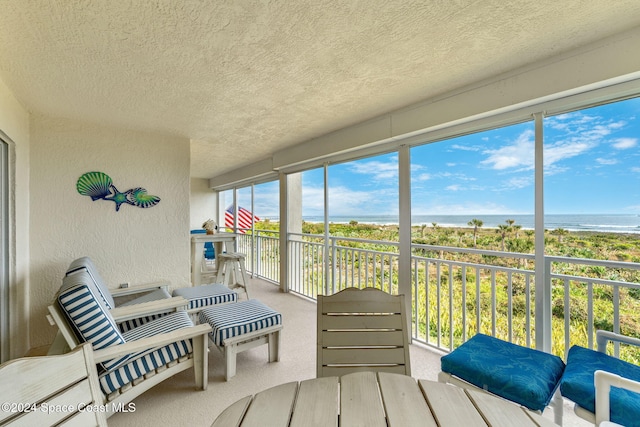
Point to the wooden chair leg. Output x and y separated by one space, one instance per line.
230 354
274 346
201 361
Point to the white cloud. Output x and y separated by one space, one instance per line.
519 154
625 143
422 177
602 161
378 170
454 187
466 147
517 183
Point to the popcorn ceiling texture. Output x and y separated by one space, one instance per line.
133 245
243 78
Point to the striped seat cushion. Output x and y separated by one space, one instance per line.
230 320
144 362
206 295
156 295
88 314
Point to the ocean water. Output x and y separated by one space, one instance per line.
613 223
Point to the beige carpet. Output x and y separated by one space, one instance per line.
175 402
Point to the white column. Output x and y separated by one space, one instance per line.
404 208
543 281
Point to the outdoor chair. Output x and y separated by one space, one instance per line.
154 295
34 387
362 330
588 378
130 362
520 374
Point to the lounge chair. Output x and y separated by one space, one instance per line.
130 362
52 390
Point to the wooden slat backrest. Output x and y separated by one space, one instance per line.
362 330
52 389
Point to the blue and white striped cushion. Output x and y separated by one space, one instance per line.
206 295
85 263
151 296
144 362
88 314
230 320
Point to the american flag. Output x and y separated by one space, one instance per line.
245 218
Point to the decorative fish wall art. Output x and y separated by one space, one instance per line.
99 186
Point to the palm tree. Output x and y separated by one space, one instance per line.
560 232
517 229
475 223
503 230
510 222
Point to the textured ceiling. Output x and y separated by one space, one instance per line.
245 78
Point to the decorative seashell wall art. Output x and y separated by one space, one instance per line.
99 186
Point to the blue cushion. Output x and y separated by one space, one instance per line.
206 295
577 383
230 320
209 251
520 374
85 263
138 364
156 295
88 314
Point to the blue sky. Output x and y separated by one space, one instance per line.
592 165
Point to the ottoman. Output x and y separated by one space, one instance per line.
203 296
240 326
519 374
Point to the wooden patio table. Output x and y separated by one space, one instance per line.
368 399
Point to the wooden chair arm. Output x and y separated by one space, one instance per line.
135 311
150 342
603 337
137 289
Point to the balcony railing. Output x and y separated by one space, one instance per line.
457 292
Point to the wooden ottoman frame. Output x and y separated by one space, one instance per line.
229 323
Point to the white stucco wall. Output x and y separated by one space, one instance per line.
133 245
14 123
203 202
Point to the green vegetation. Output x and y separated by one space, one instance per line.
481 294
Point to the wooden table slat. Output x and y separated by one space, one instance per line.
540 420
371 399
317 404
404 402
450 405
272 407
232 416
498 412
360 402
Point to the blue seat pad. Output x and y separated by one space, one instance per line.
230 320
520 374
206 295
138 364
577 383
158 294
